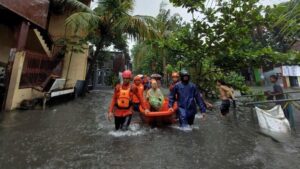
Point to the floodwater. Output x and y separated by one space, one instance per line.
76 134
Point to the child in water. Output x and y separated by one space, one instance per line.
155 96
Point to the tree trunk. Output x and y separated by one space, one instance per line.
164 70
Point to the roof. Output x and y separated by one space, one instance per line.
36 11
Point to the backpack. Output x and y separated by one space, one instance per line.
124 100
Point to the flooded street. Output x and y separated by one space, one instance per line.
76 134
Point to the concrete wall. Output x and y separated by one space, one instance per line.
77 68
16 95
6 43
78 64
25 94
33 44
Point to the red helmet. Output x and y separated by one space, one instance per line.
126 74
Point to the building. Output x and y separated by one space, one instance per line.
29 55
288 75
111 67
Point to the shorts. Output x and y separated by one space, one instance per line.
225 107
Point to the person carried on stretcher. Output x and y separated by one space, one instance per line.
154 96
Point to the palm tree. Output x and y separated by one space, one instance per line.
165 24
111 19
111 23
289 18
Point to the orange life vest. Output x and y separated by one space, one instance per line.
140 89
124 99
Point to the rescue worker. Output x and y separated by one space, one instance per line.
175 79
137 83
146 82
187 96
121 104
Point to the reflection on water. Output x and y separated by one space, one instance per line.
77 135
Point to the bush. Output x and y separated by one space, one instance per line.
236 81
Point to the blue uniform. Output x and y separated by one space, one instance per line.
187 97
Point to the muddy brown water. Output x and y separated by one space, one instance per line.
76 134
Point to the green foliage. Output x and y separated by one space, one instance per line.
170 68
153 55
114 79
146 60
222 42
236 81
259 96
288 18
231 35
110 23
74 44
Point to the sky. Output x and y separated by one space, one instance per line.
151 8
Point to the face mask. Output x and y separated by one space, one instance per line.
185 79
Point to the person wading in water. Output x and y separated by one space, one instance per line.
121 104
225 95
187 97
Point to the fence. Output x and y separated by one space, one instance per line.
289 105
37 68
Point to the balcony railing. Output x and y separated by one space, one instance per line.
37 68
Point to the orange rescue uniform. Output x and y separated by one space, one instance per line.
132 91
140 88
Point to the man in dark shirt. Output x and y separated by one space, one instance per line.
277 89
278 93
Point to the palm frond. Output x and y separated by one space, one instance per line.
117 6
82 21
137 27
289 17
72 5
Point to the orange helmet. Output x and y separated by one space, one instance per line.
175 74
137 78
126 74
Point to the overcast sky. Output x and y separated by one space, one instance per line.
151 7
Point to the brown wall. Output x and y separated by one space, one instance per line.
6 43
33 44
77 66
